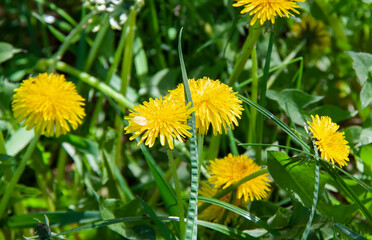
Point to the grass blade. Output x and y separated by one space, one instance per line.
191 227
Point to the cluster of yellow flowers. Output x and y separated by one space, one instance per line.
215 104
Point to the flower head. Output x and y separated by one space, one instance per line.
314 32
215 213
268 9
49 103
332 144
215 104
162 117
229 170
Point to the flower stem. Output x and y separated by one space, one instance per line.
178 194
246 52
17 174
254 95
262 101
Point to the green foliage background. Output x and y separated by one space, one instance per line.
94 183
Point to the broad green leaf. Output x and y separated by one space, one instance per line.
366 93
366 156
7 51
58 218
352 135
337 114
13 146
297 180
366 136
362 64
292 102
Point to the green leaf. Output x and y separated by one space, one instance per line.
366 136
337 114
58 218
292 101
163 229
7 51
165 190
352 135
277 121
114 208
297 180
13 146
229 231
366 156
362 64
241 212
348 232
192 213
366 93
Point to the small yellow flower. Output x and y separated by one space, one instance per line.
162 117
49 103
215 213
229 170
215 104
332 144
314 32
268 9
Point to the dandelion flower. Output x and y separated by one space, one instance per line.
215 104
231 169
331 143
159 117
314 32
50 103
216 213
268 9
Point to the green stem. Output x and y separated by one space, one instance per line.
17 174
300 59
90 80
262 101
96 44
178 194
246 52
289 58
254 96
68 40
234 187
113 68
44 37
2 144
61 165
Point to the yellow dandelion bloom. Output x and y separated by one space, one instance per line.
268 9
50 103
331 143
159 117
215 213
229 170
215 104
314 32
